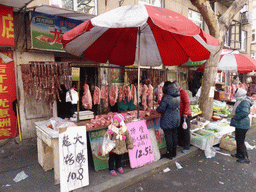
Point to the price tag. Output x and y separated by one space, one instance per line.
142 153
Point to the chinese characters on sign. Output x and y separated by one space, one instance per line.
47 30
8 126
73 158
142 152
6 26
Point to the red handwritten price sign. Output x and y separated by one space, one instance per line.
73 158
142 153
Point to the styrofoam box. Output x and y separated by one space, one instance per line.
201 141
83 115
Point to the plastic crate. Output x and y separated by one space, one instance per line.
201 141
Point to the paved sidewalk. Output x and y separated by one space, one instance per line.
17 157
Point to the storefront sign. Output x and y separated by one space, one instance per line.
75 73
8 121
195 63
73 157
47 31
155 124
142 153
6 26
96 138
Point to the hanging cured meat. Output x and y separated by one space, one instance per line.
120 94
144 96
104 94
150 96
87 97
159 93
124 93
96 95
134 94
132 91
46 77
113 94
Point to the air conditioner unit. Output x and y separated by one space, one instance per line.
246 18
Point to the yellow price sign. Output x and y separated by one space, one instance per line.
75 73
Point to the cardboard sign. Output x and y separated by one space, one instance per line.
73 158
142 153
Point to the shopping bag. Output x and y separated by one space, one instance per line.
184 124
228 142
107 144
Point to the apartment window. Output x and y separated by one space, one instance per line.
227 39
253 55
85 6
253 36
196 17
243 40
157 3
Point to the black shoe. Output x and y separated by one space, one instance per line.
235 155
166 155
247 161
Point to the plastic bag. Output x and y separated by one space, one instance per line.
107 144
184 124
209 152
72 96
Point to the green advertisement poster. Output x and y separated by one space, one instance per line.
96 137
117 74
47 30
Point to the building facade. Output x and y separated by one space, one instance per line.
238 38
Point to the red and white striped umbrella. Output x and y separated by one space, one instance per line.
145 34
235 63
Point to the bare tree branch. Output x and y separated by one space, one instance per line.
226 19
209 16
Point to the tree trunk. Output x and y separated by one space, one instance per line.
218 29
209 78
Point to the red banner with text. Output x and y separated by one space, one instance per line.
6 26
8 120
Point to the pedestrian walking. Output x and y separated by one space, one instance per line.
185 117
169 108
241 121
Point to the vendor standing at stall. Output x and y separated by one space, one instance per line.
185 116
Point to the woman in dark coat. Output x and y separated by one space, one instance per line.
241 122
169 109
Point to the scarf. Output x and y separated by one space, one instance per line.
119 131
240 95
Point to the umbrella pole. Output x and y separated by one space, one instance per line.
138 103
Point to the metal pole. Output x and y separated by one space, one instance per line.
138 104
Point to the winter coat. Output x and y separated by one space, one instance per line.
184 103
169 107
241 118
121 146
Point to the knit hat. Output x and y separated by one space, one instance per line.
119 117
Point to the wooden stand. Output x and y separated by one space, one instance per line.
48 149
